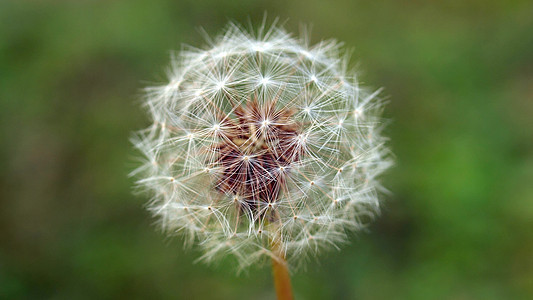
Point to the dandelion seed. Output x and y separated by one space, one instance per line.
306 54
220 85
264 81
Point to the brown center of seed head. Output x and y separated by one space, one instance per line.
256 154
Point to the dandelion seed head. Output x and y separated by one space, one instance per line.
260 136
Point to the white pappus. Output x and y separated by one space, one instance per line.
262 137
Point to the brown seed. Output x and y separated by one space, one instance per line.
253 161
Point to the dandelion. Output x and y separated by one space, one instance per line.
263 146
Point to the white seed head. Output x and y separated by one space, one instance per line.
261 137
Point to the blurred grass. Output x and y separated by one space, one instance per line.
458 225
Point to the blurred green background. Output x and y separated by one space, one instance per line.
459 76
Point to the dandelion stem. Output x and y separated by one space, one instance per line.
280 270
